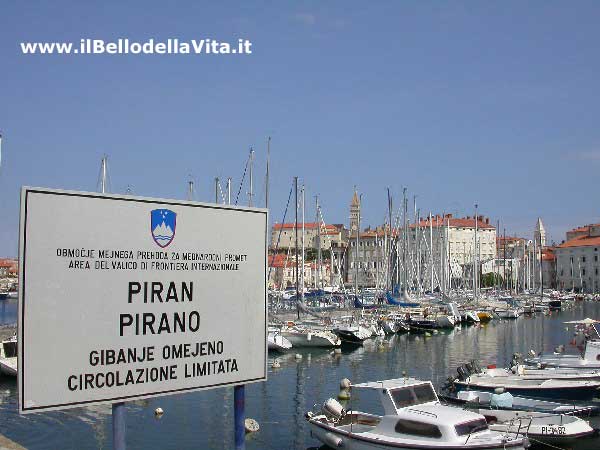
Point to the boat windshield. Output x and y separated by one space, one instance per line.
413 395
473 426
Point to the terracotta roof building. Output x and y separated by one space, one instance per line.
578 260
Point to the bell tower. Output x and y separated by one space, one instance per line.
354 212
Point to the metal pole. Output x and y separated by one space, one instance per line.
216 189
239 395
118 426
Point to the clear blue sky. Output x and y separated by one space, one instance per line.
490 102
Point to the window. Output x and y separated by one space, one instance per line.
413 395
418 429
472 426
424 393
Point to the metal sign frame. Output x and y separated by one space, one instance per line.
26 193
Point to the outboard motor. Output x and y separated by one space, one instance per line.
449 386
333 408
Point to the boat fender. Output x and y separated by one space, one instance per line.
298 356
333 441
344 383
309 336
251 425
333 408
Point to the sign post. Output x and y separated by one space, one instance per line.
126 298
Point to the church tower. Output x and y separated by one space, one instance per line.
539 233
354 212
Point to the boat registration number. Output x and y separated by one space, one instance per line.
553 430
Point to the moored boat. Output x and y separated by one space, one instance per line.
8 356
414 419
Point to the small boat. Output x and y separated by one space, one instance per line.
414 419
470 317
589 360
276 341
508 313
483 399
484 316
302 336
540 388
540 427
393 324
352 334
8 356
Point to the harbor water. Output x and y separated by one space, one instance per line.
204 420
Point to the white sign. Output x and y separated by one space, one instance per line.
126 297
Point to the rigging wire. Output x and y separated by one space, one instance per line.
242 181
280 231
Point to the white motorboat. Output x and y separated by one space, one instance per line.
534 373
302 336
589 360
351 332
8 356
484 399
539 427
508 313
414 419
393 323
470 317
276 341
541 388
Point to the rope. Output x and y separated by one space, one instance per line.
280 230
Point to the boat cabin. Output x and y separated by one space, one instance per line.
399 393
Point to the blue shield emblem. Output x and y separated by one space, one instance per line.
162 226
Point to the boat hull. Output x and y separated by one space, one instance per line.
311 340
335 438
582 392
8 367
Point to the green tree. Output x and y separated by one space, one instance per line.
491 279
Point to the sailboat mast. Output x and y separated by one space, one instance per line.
251 193
216 189
404 212
229 190
475 260
296 238
190 189
319 254
103 176
302 277
389 256
431 251
267 174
